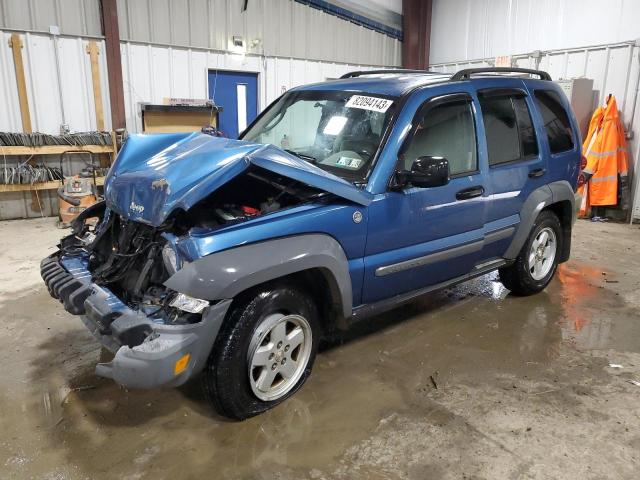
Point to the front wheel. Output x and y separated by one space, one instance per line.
264 351
536 263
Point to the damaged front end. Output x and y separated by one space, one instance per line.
113 270
112 276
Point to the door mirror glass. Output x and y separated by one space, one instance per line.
426 172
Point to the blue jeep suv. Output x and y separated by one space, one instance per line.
233 258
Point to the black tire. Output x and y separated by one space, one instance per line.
226 375
517 277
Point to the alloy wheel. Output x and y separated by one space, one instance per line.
278 355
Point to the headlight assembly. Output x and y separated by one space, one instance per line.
189 304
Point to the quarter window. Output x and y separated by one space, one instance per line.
445 130
508 126
556 121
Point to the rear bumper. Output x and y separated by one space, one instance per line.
146 352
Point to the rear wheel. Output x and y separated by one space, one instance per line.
536 263
264 351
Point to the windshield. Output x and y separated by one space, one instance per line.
338 131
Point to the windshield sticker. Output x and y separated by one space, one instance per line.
369 103
349 162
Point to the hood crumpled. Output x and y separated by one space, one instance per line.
156 174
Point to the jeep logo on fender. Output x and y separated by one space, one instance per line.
134 207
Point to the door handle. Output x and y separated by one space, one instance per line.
470 192
537 172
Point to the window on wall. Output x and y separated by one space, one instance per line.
508 126
445 130
556 121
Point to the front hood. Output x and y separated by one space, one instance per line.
156 174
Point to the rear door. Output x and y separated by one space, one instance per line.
559 135
516 159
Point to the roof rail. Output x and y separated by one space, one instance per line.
466 74
377 72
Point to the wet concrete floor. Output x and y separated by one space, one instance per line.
465 383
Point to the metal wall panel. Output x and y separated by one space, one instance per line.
74 17
268 27
463 29
43 89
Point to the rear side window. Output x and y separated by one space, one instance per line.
508 126
556 121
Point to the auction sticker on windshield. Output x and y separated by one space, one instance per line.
369 103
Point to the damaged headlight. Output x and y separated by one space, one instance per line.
189 304
170 259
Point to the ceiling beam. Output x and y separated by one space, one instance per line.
114 62
416 25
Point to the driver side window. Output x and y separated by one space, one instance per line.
445 130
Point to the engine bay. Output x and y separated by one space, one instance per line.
254 193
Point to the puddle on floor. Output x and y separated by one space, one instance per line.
387 365
593 316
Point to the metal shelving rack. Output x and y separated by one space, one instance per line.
111 150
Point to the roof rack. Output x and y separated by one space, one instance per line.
466 74
378 72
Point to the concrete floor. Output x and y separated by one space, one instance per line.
524 386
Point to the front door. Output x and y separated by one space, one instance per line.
237 94
423 236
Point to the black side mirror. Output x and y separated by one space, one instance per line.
426 172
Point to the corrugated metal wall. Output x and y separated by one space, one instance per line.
466 29
283 28
43 89
74 17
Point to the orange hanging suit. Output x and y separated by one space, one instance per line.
605 149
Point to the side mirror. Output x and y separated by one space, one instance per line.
426 172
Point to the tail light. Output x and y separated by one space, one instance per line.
581 179
583 162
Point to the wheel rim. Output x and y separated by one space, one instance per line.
278 355
542 253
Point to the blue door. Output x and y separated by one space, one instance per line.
517 163
419 237
237 94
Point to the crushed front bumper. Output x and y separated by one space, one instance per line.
147 353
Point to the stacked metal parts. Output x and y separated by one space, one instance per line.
26 172
37 139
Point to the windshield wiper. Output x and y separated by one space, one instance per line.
302 155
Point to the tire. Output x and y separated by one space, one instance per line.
254 320
530 273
